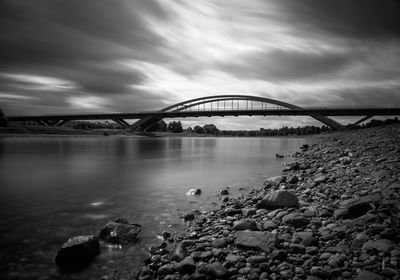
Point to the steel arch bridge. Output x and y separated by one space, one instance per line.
224 103
219 105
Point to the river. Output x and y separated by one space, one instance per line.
52 188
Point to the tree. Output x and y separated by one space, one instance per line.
160 126
210 129
198 129
175 127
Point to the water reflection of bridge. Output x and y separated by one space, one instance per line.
220 105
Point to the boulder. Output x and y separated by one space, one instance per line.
274 181
166 269
380 245
304 237
304 147
245 224
247 212
78 251
293 180
178 253
221 242
297 248
119 232
217 270
295 220
358 208
294 166
187 266
232 211
256 239
234 258
278 199
368 275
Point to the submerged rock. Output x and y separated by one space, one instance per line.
224 192
119 232
78 251
194 192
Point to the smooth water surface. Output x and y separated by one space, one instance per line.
52 188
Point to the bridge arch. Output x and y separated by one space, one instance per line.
147 122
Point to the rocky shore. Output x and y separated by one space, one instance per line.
333 214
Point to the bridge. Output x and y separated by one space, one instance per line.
220 105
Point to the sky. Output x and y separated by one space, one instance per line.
74 56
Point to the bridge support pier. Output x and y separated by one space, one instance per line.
122 123
144 124
361 120
43 123
49 123
61 123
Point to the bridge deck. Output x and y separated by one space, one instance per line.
344 111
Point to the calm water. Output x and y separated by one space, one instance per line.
52 188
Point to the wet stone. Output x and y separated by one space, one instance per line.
119 233
78 251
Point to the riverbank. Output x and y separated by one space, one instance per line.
333 214
29 131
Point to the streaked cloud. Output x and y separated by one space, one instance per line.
97 55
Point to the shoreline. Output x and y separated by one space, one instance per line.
346 222
51 132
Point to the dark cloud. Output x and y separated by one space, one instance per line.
283 65
53 31
77 40
352 19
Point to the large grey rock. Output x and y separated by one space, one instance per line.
358 208
256 239
78 251
380 245
368 275
278 199
119 232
